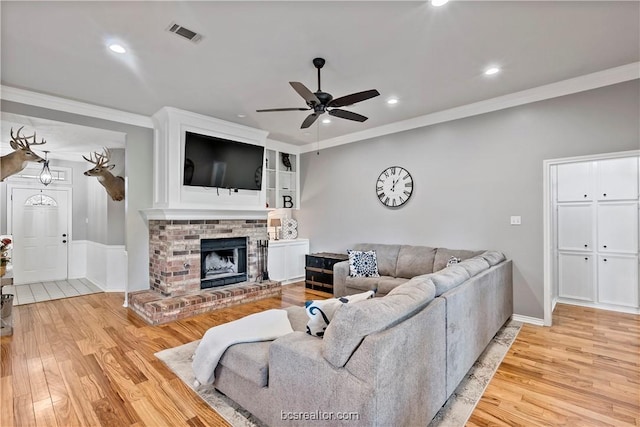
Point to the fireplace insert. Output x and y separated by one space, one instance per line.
223 261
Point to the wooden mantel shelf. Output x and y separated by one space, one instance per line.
187 213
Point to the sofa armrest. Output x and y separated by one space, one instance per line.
340 274
301 380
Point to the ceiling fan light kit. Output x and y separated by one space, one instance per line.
322 102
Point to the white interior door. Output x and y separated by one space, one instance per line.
40 234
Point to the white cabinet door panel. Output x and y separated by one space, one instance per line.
575 182
617 179
618 227
618 280
575 227
296 261
276 263
287 259
576 273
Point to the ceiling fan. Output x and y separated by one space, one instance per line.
322 102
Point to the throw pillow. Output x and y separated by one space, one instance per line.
453 260
363 264
321 312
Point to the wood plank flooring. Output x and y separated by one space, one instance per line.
583 371
87 361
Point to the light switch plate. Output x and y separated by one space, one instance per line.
516 220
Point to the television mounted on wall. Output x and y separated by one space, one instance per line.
221 163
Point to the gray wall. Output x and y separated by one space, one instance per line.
138 173
470 176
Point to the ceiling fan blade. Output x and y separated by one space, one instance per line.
309 120
304 92
282 109
344 114
353 98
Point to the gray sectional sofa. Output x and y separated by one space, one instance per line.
392 360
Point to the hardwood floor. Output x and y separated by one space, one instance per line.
583 371
87 361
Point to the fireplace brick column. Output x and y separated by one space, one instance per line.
174 250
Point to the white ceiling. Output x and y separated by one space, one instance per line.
430 58
64 140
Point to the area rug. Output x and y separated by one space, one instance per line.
455 412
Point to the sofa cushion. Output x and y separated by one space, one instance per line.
320 312
353 322
474 265
387 284
414 261
443 255
493 257
363 283
363 263
248 360
448 278
387 256
298 318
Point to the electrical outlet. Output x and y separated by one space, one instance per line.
516 220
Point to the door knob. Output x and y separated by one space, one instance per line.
585 195
586 259
64 241
605 260
64 235
586 246
605 246
604 194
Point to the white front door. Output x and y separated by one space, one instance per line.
40 235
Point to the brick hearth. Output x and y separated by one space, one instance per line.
155 308
174 269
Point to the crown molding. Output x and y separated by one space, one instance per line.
51 102
565 87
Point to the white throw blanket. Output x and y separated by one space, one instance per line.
264 326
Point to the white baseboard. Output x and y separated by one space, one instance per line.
104 265
528 319
600 306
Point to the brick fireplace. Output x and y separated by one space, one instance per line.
176 269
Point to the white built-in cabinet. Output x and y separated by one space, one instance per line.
596 227
281 179
286 260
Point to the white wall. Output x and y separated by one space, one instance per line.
470 176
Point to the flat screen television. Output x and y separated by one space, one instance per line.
221 163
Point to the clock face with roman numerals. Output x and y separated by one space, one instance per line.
394 186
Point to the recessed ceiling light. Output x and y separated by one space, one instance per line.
392 101
242 116
491 71
117 48
438 2
326 121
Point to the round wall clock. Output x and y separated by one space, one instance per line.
394 186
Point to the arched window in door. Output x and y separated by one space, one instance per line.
40 200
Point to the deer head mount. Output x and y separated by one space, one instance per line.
113 184
16 161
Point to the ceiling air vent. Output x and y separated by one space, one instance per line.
184 32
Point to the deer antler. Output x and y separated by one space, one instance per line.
99 159
23 141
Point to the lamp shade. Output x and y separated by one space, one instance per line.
275 222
